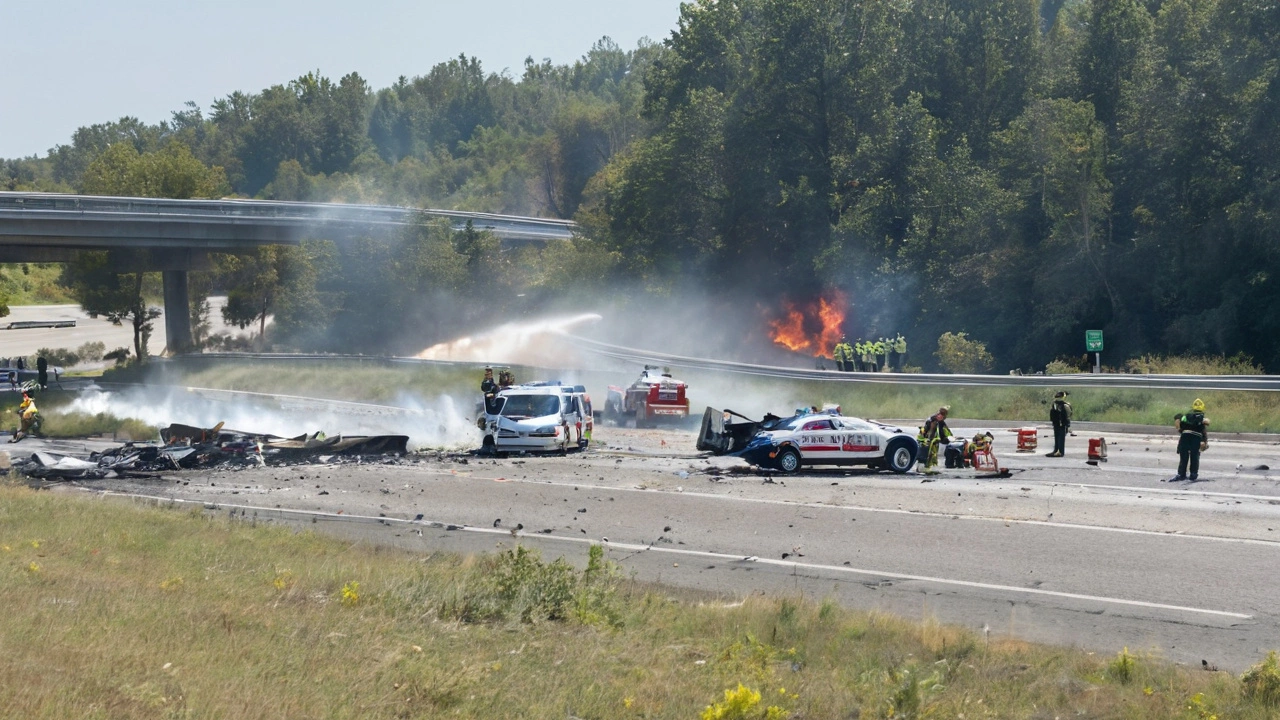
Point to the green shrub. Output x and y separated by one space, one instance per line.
91 351
120 355
61 357
958 354
1122 667
1262 681
65 357
1238 364
517 585
911 691
1066 366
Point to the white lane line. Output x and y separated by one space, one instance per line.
705 554
919 513
1168 491
1163 472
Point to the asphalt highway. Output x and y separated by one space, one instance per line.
1100 557
87 329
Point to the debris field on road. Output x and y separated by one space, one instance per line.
187 447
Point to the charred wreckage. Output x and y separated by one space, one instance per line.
186 447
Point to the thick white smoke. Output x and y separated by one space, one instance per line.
533 342
441 422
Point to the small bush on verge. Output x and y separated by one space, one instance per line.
1262 681
1122 667
518 585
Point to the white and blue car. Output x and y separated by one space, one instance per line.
789 444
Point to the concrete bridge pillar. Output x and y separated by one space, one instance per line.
177 312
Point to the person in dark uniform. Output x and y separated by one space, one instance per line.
42 372
490 388
1193 439
1060 416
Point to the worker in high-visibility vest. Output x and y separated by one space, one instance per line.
843 355
899 353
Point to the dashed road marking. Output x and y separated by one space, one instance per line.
844 569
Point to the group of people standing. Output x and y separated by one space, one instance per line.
491 387
10 368
883 355
1192 427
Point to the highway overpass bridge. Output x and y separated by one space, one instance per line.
175 237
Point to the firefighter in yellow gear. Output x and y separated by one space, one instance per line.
981 443
933 434
29 415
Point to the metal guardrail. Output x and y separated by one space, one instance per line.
30 324
1267 383
25 206
1263 383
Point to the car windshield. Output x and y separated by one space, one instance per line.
527 406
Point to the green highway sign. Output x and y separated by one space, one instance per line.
1093 340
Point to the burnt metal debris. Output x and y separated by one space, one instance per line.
187 447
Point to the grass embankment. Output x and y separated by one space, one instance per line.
380 381
59 422
1230 411
33 284
117 610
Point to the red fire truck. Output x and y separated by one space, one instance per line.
655 396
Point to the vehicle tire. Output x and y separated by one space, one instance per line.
788 460
898 457
489 446
642 415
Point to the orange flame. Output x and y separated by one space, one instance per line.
812 327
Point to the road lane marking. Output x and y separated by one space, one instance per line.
693 553
1168 491
923 513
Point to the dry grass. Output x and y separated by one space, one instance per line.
58 423
117 610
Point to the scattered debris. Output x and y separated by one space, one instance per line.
188 447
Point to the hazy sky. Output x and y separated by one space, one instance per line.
79 62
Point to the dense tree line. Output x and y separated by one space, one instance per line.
1018 170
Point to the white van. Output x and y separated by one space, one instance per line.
538 417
